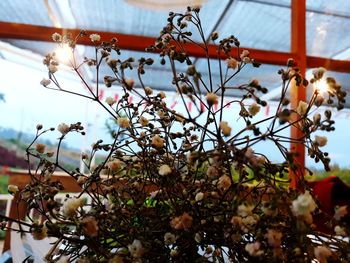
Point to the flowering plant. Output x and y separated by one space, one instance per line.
180 187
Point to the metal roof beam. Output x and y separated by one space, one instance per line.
125 41
139 43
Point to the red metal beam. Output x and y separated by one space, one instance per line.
139 43
125 41
129 42
298 46
329 64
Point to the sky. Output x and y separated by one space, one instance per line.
27 104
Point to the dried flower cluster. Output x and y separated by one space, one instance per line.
176 189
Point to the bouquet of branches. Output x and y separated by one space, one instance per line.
183 187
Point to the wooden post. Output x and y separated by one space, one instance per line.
298 47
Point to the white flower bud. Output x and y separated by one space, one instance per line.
95 37
320 140
254 109
317 118
63 128
110 101
164 169
212 98
56 37
169 238
52 68
302 108
45 82
225 129
13 189
231 63
199 197
123 123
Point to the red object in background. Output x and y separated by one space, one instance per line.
330 192
10 159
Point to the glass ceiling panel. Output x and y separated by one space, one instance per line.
39 47
258 24
328 30
24 11
119 16
338 7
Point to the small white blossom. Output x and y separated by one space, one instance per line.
303 205
320 140
162 95
161 114
157 141
317 118
124 123
164 169
110 101
319 100
245 53
199 197
231 63
254 109
52 68
169 238
148 90
224 183
45 82
71 206
249 222
129 83
318 73
340 231
143 121
40 148
249 153
246 60
174 252
56 37
302 108
254 249
63 128
13 189
254 83
136 249
211 98
245 210
198 237
225 128
95 37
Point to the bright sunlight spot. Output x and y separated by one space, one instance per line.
322 86
64 53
